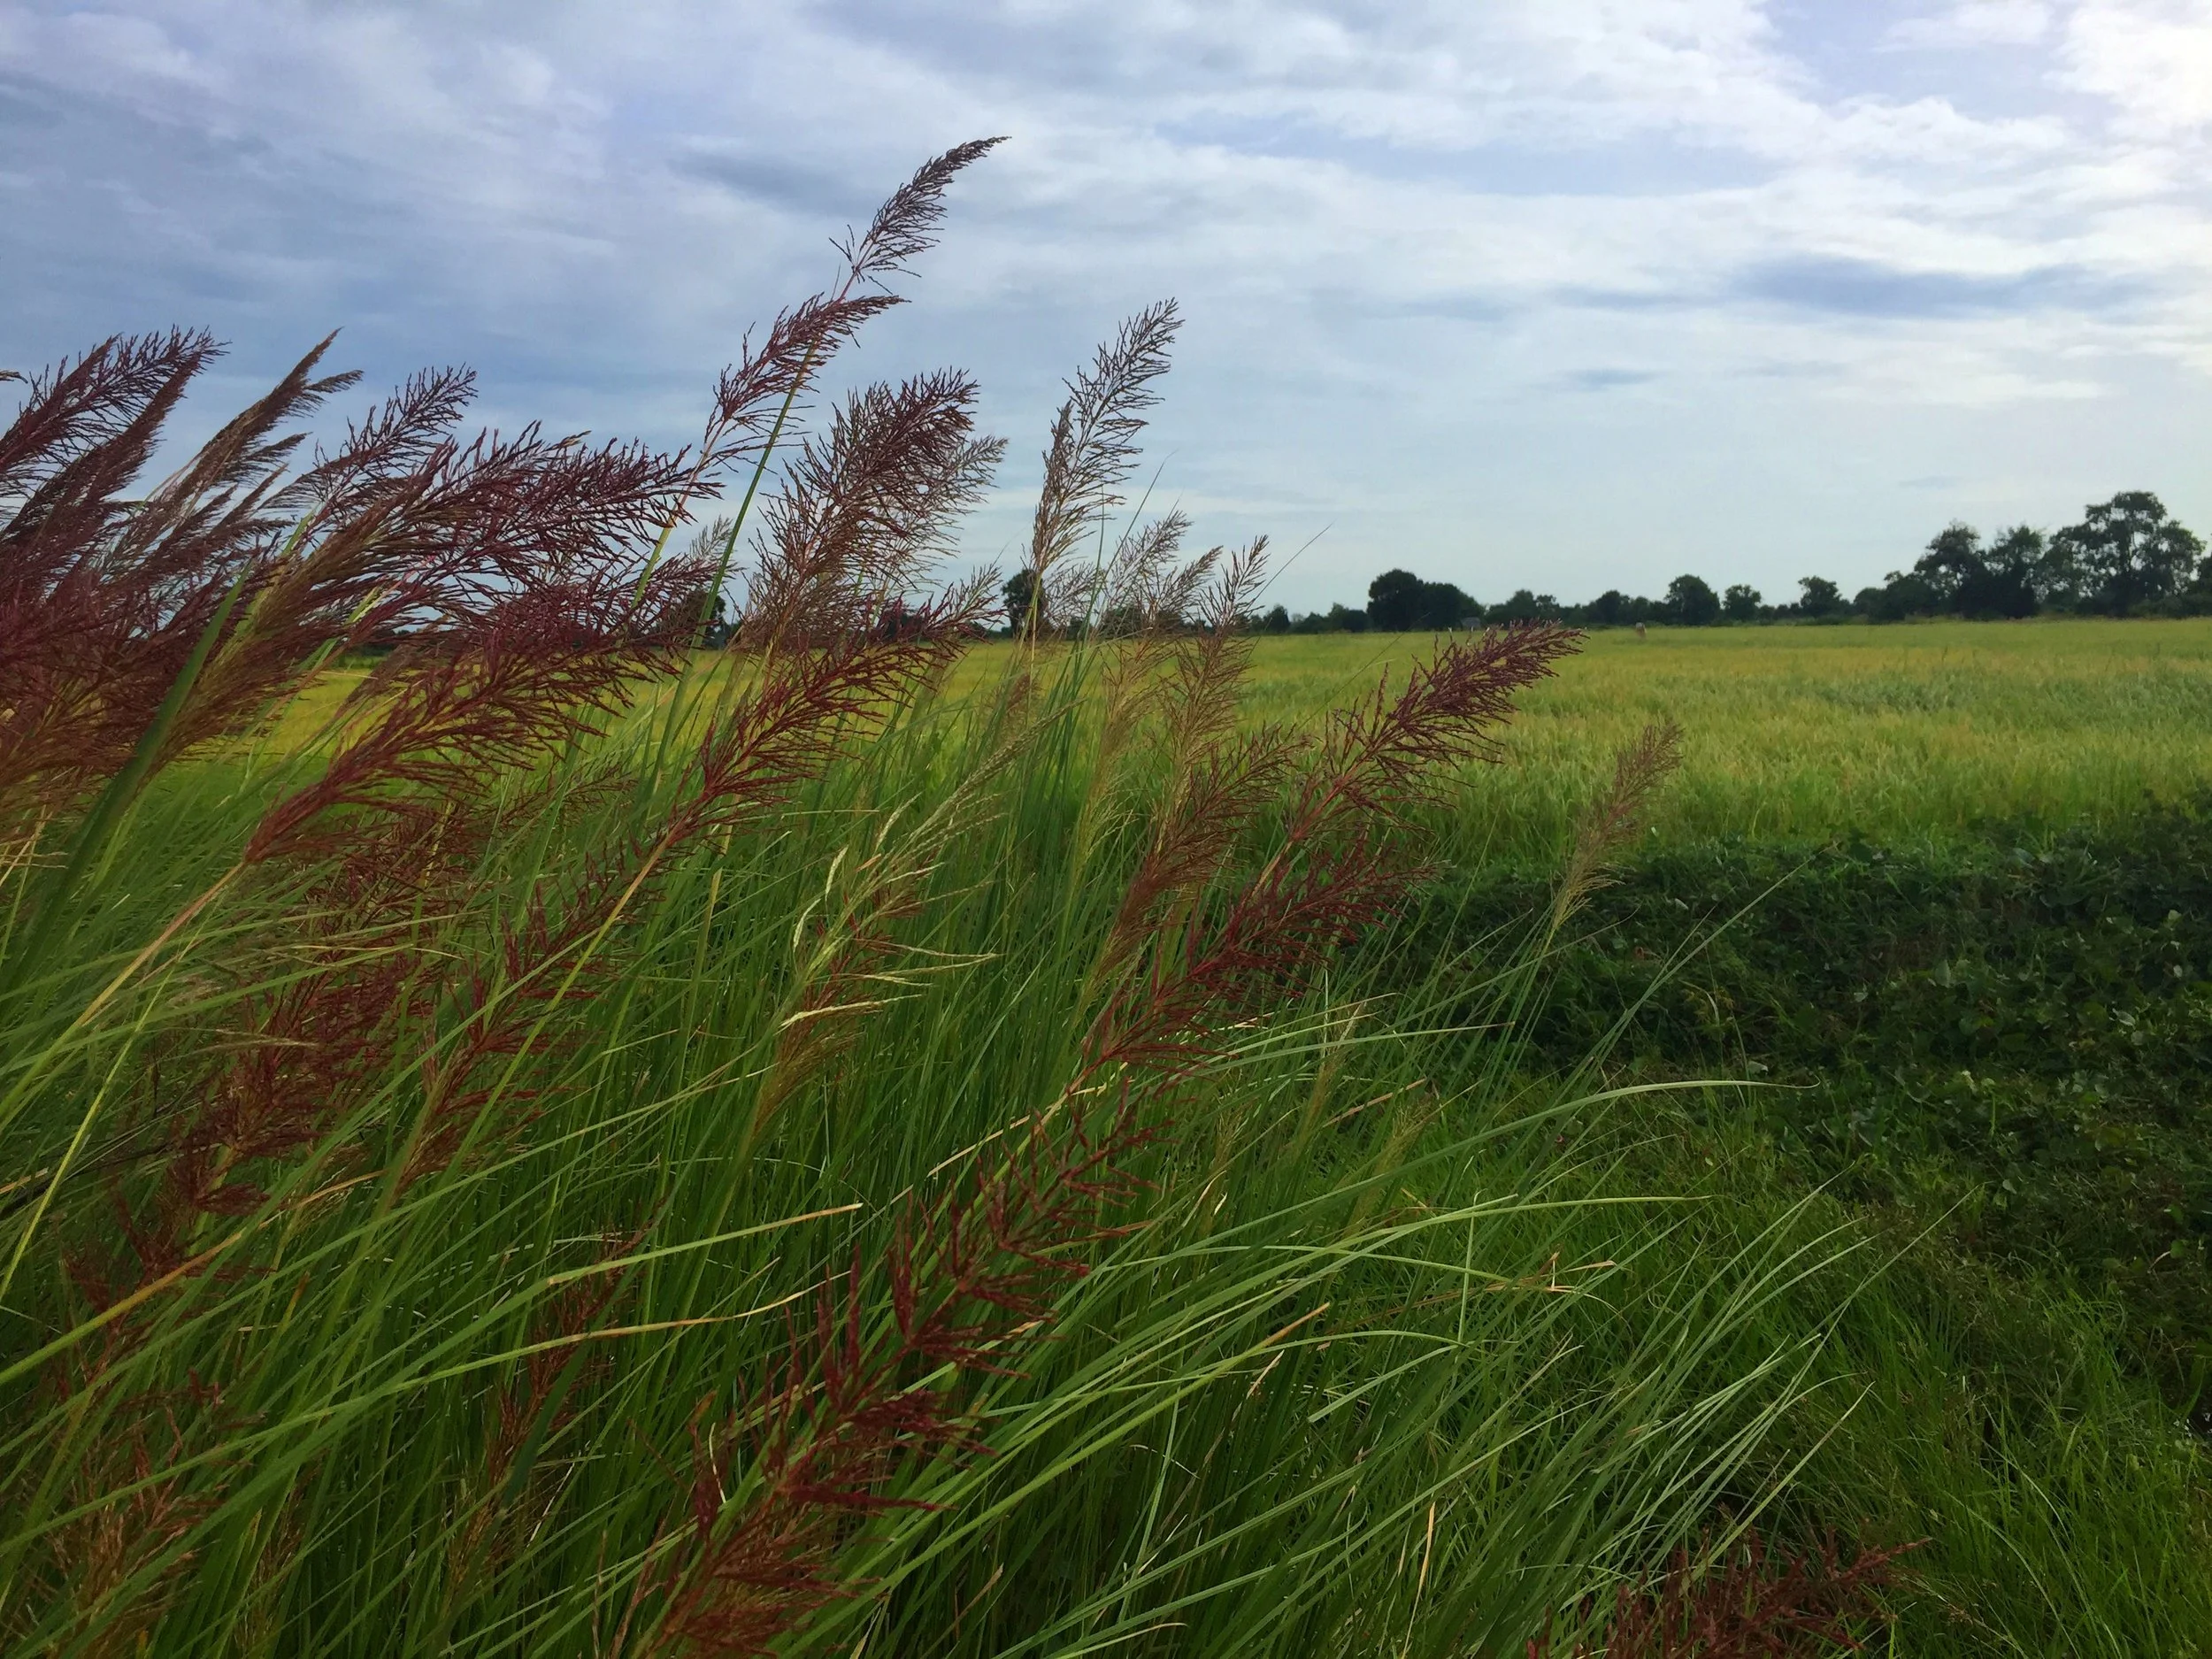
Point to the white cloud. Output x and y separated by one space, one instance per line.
1973 23
2152 58
1429 248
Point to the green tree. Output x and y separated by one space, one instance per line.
1399 601
2007 589
1444 606
1817 597
1741 602
1394 601
1953 562
1021 600
1906 594
1960 575
2126 552
1527 606
1691 603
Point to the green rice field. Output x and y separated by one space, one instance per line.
1807 732
1791 733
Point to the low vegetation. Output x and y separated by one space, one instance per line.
559 1141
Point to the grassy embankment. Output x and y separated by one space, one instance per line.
1416 1338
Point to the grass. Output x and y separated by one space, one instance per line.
309 1447
1791 733
1952 836
1401 1346
1797 733
865 1145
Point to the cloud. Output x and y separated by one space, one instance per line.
782 181
2151 58
1973 23
1863 288
1609 379
1395 224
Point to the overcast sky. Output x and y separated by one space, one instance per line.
1568 294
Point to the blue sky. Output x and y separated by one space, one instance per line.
1568 294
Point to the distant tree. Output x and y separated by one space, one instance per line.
1817 597
1741 602
1959 576
1399 601
1444 606
713 610
2126 552
1343 619
1953 561
1611 609
2059 578
2007 585
1691 603
1021 592
1606 610
1906 594
1276 621
1527 606
2019 548
1394 601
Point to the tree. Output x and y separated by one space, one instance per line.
1399 601
2020 548
2126 552
1444 606
1741 602
1817 597
2007 587
1394 601
1691 603
1021 600
1953 561
1959 576
1525 606
1906 594
1276 621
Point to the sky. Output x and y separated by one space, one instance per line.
1567 294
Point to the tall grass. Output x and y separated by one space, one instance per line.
596 1150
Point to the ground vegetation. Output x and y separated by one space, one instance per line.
540 1115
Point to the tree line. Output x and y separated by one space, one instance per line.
2128 557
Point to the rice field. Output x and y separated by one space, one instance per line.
1789 732
1805 733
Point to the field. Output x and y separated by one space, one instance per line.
1806 734
1791 734
836 1226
